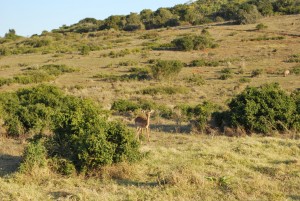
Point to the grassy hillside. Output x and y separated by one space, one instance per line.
179 165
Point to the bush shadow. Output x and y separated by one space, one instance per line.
9 164
126 182
168 128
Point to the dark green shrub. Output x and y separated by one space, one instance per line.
198 42
163 90
81 132
248 14
294 58
123 141
36 42
244 80
85 137
295 70
226 73
56 69
256 72
122 105
30 110
262 109
62 166
166 69
4 51
184 43
261 26
198 62
85 50
34 156
198 115
202 114
202 62
296 97
195 80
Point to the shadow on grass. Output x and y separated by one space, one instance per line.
137 183
59 195
295 197
167 128
9 164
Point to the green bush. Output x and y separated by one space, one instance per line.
185 43
296 97
30 110
166 69
123 141
261 26
195 80
199 42
295 58
34 156
256 72
57 69
295 70
85 137
199 115
81 132
202 62
122 105
85 50
226 73
163 90
248 14
263 109
62 166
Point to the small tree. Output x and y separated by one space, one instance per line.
248 14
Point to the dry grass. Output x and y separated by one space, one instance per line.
177 166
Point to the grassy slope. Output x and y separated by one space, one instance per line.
178 166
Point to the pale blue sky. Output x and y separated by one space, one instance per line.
29 17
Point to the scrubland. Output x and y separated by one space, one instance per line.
178 163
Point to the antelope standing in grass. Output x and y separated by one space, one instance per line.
141 123
286 73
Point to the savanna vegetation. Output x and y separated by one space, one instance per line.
226 121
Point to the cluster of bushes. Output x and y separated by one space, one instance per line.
295 58
43 74
123 106
81 135
263 109
163 90
195 13
198 115
202 62
121 53
265 37
197 80
226 73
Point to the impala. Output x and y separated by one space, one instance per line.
143 122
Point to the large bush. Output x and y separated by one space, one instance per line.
80 131
263 109
198 42
198 115
166 69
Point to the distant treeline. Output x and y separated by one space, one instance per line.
195 13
